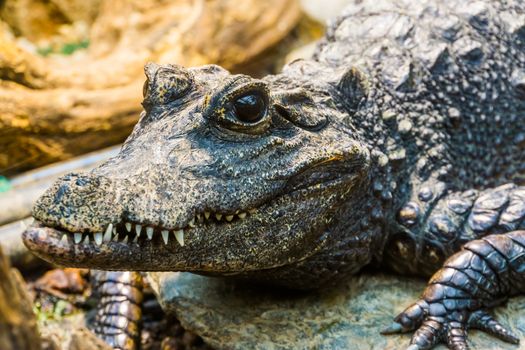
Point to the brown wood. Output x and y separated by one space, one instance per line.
18 328
55 107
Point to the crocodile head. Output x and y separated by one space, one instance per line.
223 174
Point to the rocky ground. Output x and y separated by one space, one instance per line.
350 316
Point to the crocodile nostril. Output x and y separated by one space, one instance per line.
81 181
60 193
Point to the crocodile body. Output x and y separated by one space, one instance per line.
399 144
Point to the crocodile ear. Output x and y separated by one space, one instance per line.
298 107
354 85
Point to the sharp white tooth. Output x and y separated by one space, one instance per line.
218 216
252 211
86 240
136 239
138 230
149 232
199 217
109 229
242 215
165 235
78 238
179 235
108 235
128 226
114 230
229 217
125 240
63 239
207 215
191 223
98 238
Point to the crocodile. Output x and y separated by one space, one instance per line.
399 145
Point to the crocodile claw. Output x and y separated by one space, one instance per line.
450 329
487 323
393 328
413 347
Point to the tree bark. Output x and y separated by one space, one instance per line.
18 328
55 107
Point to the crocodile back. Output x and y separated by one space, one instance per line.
455 72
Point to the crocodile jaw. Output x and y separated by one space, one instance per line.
206 245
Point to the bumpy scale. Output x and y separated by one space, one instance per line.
400 144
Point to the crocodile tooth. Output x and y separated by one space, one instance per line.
149 232
64 238
191 223
78 238
242 215
107 234
138 230
109 230
218 216
252 211
114 230
128 226
207 215
179 235
98 237
199 217
86 240
165 235
125 240
229 217
136 239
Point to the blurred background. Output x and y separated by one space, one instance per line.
71 71
71 76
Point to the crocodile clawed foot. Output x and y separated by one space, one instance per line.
432 328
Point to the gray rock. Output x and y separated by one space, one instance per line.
232 316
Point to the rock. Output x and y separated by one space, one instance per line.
228 315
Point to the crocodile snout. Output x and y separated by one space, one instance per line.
77 203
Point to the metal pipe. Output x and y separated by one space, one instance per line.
16 203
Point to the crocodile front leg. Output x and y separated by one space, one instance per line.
483 274
119 310
435 224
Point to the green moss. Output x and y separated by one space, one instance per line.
56 313
5 185
66 49
69 48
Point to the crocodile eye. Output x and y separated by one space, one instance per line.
250 108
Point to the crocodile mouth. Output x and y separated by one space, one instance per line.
127 232
138 246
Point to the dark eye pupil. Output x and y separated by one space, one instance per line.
250 108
